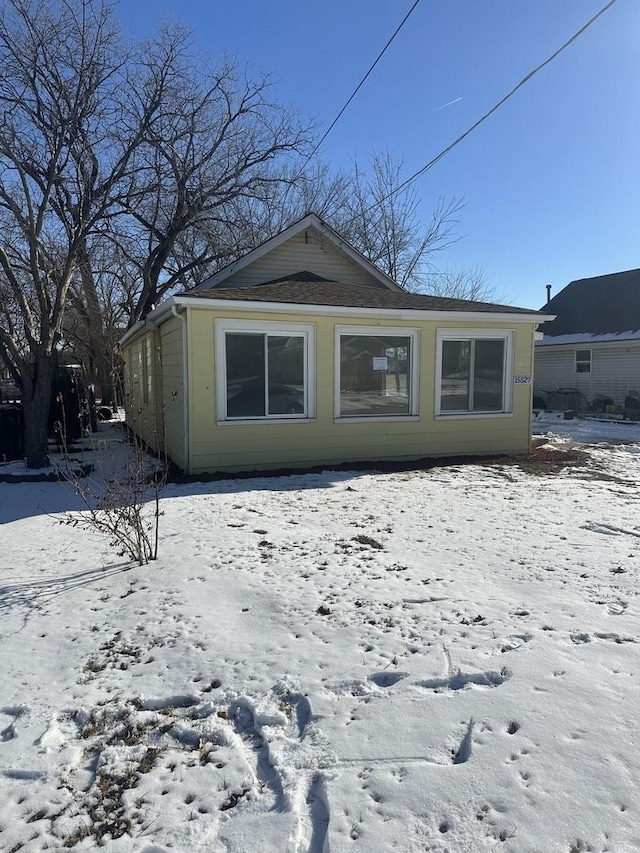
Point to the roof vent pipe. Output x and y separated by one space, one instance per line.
548 292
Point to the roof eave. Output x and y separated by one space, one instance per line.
351 311
151 321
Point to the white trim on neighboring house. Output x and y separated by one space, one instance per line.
508 336
326 232
305 330
414 367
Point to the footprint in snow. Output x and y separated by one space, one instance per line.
300 708
464 680
580 638
311 808
15 712
463 753
387 679
611 635
514 642
609 529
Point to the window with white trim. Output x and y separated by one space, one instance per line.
474 372
264 370
376 372
583 361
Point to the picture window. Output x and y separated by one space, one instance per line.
264 373
473 373
376 372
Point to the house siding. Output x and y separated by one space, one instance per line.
144 416
173 391
298 254
615 369
233 447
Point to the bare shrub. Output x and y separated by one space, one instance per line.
122 499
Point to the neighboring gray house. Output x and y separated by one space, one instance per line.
593 345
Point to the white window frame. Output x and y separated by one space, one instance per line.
305 330
414 363
577 361
508 336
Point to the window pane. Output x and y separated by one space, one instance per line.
583 361
488 375
374 375
456 361
286 375
245 375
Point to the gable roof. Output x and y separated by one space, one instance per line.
309 222
334 293
374 295
603 305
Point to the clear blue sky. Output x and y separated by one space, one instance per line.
552 179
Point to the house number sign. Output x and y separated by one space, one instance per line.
521 380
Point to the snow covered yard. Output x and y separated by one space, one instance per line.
442 660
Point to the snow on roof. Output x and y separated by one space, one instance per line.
588 337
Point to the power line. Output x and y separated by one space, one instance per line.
490 112
359 86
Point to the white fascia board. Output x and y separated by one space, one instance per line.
309 221
342 311
132 333
151 321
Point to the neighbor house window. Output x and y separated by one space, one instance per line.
264 371
583 361
376 373
473 372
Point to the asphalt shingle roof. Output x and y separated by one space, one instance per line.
321 292
303 275
606 304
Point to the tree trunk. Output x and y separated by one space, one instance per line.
36 399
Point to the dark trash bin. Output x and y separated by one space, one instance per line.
11 432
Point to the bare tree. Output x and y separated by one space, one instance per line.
60 76
143 148
383 222
463 283
316 189
217 139
97 314
365 205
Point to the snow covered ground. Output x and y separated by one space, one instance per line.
442 660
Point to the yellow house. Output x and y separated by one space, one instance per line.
303 353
